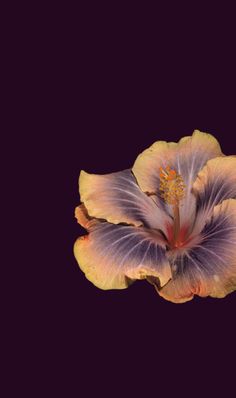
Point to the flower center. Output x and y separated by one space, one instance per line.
172 191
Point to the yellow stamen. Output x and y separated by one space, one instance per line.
171 186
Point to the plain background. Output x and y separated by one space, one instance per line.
99 84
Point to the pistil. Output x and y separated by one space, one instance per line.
176 225
172 191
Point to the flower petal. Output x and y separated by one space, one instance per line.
117 198
83 218
215 183
111 256
187 157
209 268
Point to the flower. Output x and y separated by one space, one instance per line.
171 220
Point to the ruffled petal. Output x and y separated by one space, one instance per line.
81 214
112 256
187 157
215 182
117 198
209 268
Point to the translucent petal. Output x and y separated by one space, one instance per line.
111 256
187 157
208 268
117 198
214 183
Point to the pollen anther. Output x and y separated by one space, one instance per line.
171 186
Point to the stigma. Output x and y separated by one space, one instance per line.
172 186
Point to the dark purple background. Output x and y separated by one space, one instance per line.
102 85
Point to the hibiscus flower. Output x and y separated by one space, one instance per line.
171 220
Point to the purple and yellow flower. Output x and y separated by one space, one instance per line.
171 220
